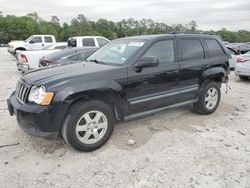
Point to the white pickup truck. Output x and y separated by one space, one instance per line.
87 41
28 60
34 42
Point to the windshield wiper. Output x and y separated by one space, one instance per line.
97 61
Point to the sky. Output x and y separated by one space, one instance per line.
209 14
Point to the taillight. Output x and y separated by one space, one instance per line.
241 60
24 58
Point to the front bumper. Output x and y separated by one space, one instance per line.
36 120
11 50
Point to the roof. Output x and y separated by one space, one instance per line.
149 37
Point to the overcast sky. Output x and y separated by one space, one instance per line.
209 14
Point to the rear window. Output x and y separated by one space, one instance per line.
88 42
48 39
214 48
191 49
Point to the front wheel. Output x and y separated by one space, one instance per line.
88 125
209 99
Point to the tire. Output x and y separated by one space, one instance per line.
202 106
244 77
84 121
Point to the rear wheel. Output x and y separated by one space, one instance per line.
244 77
209 99
88 125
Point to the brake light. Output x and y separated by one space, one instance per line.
24 58
241 60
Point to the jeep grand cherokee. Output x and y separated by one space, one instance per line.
127 78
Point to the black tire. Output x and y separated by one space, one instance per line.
244 77
75 113
200 105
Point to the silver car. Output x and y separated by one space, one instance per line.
242 68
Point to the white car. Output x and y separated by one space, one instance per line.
34 42
28 60
242 68
233 60
87 41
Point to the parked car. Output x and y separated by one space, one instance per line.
34 42
242 68
3 45
125 79
87 41
235 54
66 56
28 60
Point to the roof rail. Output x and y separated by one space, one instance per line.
201 32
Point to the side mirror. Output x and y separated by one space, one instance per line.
147 62
31 42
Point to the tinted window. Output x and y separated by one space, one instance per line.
101 41
191 49
48 39
214 48
164 50
88 42
37 40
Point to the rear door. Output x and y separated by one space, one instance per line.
48 41
154 87
192 64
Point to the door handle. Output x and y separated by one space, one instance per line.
42 44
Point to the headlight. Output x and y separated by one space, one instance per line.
39 95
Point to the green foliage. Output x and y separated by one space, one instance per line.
20 28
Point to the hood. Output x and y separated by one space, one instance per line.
17 43
65 73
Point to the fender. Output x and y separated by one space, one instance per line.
214 73
104 90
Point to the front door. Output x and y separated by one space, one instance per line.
154 87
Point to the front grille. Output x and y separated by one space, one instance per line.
22 91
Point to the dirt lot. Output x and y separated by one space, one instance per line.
174 148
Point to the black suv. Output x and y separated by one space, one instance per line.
124 79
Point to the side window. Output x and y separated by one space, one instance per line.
214 48
37 40
88 42
71 43
191 49
48 39
73 57
164 50
101 41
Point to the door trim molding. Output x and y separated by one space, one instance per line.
160 95
139 114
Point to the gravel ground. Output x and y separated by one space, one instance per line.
174 148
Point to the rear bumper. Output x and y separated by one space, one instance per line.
36 120
242 70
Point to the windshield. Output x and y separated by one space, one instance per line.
28 39
116 52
